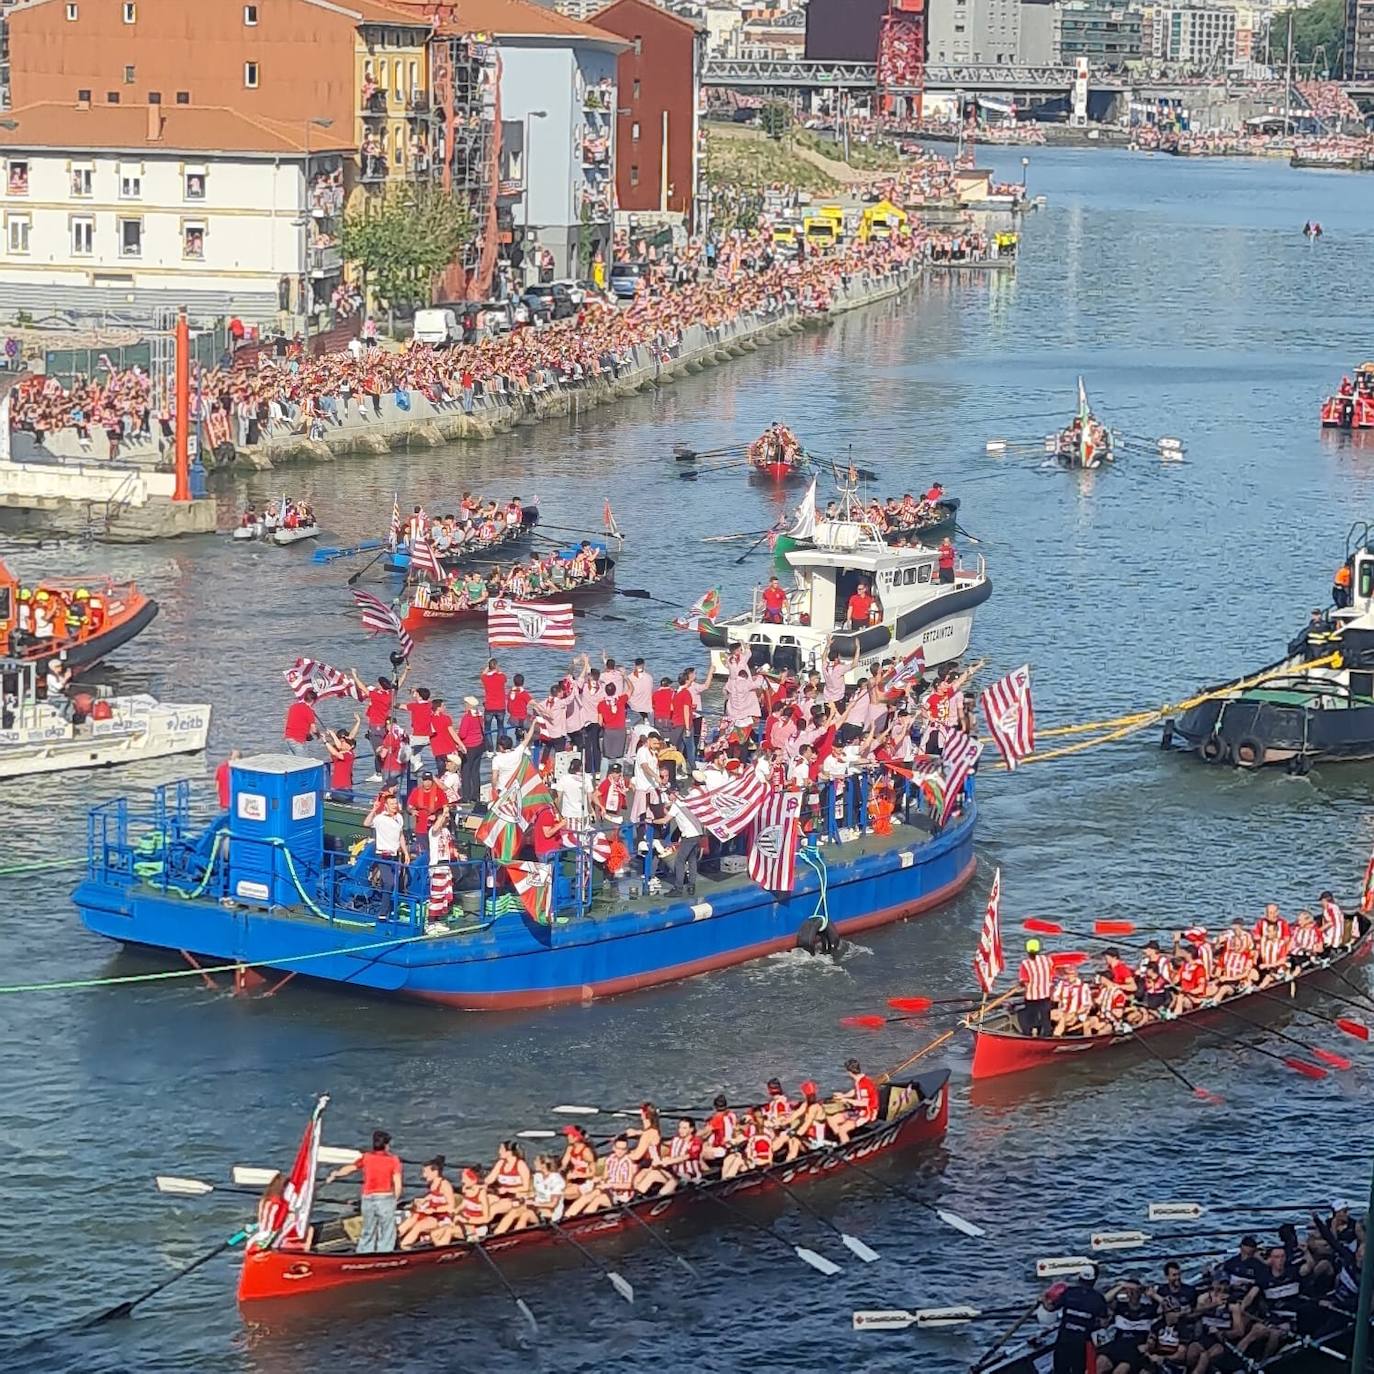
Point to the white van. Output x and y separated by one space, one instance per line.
437 327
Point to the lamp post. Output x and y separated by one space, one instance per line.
525 194
1025 162
320 122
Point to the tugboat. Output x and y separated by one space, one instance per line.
83 621
1352 407
1316 703
912 608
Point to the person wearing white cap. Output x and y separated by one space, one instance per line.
1082 1310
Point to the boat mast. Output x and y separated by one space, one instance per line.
1288 81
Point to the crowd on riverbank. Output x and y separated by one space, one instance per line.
737 279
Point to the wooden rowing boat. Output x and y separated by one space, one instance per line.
911 1113
421 615
1000 1048
398 560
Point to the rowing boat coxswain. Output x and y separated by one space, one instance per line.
381 1171
1082 1312
1036 976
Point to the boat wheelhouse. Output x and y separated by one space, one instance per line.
912 607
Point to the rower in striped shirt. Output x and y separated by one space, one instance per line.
1036 976
1073 1001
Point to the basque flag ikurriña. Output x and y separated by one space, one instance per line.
1010 716
909 670
728 809
288 1218
773 852
960 753
309 674
519 624
379 618
989 961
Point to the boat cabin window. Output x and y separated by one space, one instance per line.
6 608
1364 578
846 584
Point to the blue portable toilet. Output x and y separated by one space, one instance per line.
276 805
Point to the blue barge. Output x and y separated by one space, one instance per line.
285 880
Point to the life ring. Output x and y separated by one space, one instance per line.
1250 753
1211 750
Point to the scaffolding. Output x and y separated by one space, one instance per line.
902 57
463 121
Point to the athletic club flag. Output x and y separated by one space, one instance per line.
1010 716
424 559
379 618
773 852
309 674
289 1217
533 883
518 624
989 962
960 753
909 670
394 533
728 809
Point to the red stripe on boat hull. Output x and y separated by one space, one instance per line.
529 998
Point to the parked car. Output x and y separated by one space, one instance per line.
577 291
496 317
439 326
548 301
625 279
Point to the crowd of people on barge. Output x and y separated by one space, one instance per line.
479 523
652 1158
1236 1312
1201 969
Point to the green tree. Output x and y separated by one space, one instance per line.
773 119
1320 25
404 240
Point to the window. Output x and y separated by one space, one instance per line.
128 76
130 12
130 182
634 131
250 15
192 240
83 97
18 226
183 97
83 237
639 46
636 88
71 14
112 97
81 179
250 75
17 181
634 175
193 183
130 238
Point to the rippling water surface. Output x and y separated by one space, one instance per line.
1186 295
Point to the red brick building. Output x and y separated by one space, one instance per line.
659 78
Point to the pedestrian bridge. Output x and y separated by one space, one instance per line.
772 73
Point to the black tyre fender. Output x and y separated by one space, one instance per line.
1166 740
815 936
1211 750
1249 752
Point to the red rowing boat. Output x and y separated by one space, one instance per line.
911 1113
1000 1048
426 607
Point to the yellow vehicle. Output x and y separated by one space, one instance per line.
785 234
1005 244
821 231
882 221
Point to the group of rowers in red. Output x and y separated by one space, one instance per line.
642 1162
1201 970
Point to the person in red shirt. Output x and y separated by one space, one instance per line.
861 1103
493 699
518 705
302 724
442 740
860 607
425 801
343 756
935 493
420 710
379 702
774 600
947 558
382 1173
661 705
546 832
681 713
611 794
611 711
222 778
472 737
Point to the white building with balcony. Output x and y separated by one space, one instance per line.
125 209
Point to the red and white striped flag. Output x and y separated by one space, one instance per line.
728 809
288 1218
424 559
910 669
1010 716
394 533
773 851
380 618
960 754
989 961
517 624
309 674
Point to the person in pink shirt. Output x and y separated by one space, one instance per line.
639 687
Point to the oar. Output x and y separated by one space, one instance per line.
195 1187
1202 1094
353 577
643 594
628 1209
1348 1002
1337 1061
706 539
753 546
576 1109
123 1309
898 1319
1191 1211
972 538
520 1304
951 1219
851 1243
817 1261
1300 1066
1006 1336
1352 985
1357 1030
617 1281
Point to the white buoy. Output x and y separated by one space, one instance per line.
996 446
1167 442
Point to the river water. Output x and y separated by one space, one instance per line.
1187 297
